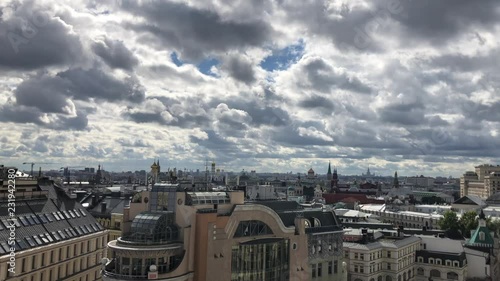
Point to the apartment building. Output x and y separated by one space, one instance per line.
55 237
483 182
173 234
386 259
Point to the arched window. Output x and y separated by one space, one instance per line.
435 273
448 263
438 261
420 271
420 259
456 264
452 276
252 228
388 278
379 278
399 278
431 260
404 276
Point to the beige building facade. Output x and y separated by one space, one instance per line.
483 182
217 236
55 238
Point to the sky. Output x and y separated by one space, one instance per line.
266 85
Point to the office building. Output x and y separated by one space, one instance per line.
172 234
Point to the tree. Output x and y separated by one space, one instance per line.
468 222
449 221
493 225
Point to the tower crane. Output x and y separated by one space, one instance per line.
33 164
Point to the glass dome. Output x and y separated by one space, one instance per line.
154 227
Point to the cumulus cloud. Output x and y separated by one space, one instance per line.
379 83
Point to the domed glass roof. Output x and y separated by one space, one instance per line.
154 227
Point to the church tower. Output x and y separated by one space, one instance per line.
329 173
155 172
335 178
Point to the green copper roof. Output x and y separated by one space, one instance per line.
329 168
481 238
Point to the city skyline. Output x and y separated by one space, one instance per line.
276 86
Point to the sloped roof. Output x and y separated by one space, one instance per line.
476 241
470 200
49 218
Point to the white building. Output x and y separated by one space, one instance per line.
441 259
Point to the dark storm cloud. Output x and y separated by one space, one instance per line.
52 94
446 19
23 114
318 102
478 112
145 117
33 39
179 112
403 113
267 112
240 69
44 93
94 83
192 31
322 77
115 54
356 28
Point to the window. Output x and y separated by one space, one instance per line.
330 267
361 256
320 267
355 256
452 276
420 259
420 271
435 273
313 273
456 264
431 260
388 254
388 266
335 266
438 261
448 263
481 236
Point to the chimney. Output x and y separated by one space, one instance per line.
103 207
94 200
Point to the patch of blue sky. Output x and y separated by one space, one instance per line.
204 66
283 58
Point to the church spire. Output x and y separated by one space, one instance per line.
396 181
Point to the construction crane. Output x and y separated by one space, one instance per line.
33 164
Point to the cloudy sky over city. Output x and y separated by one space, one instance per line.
271 85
